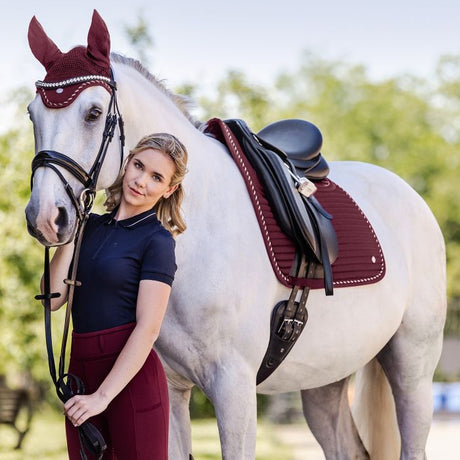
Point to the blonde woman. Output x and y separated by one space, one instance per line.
126 267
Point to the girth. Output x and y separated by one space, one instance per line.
288 320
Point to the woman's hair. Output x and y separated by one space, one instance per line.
168 210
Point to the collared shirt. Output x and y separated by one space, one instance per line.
114 257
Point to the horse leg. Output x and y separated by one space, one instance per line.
180 435
328 415
409 361
233 394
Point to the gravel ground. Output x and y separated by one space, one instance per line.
443 441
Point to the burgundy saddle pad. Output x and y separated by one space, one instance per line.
360 258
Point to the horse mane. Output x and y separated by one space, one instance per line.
183 103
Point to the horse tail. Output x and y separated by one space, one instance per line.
374 413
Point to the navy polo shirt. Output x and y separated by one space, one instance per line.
114 257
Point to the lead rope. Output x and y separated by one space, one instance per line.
68 385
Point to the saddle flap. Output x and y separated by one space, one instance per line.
300 219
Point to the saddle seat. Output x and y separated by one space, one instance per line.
301 141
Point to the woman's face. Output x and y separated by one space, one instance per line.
146 180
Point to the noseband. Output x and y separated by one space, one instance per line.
52 159
68 385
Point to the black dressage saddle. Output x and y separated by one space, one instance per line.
286 158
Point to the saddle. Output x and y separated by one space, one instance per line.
282 167
286 158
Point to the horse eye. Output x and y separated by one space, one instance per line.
93 114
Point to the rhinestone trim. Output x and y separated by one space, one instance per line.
72 81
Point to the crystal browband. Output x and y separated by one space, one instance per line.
73 81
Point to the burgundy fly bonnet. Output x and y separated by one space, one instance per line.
68 74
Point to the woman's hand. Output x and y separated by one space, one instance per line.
82 407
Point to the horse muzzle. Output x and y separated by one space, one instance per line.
53 227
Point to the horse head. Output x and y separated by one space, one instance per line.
74 115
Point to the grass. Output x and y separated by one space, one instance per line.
46 440
205 442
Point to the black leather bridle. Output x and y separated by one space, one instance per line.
52 159
68 385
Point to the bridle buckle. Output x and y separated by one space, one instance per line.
87 197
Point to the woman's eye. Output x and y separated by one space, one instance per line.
156 178
93 114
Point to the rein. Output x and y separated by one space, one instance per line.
68 385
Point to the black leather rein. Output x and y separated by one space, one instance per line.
68 385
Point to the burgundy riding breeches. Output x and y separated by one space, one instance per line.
135 424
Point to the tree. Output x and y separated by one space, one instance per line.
21 324
238 98
445 193
140 38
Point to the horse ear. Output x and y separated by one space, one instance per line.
99 41
43 48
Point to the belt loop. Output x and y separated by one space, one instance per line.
101 343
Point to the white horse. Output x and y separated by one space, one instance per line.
216 329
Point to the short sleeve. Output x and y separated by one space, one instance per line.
159 260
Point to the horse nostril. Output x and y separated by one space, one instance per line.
62 218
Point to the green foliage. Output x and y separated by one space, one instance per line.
201 407
237 97
21 336
140 39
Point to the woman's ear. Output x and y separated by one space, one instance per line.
170 191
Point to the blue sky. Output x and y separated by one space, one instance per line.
198 40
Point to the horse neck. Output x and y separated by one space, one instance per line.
146 109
